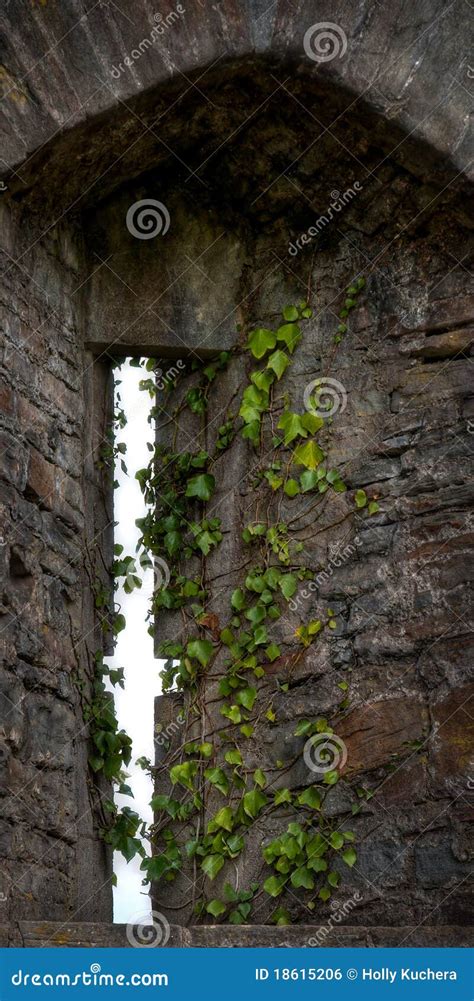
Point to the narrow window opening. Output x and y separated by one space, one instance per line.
134 648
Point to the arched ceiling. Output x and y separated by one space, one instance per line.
75 125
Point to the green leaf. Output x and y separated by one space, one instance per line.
263 379
274 885
373 507
246 697
360 498
291 488
312 422
290 334
290 313
324 893
260 778
288 584
247 729
238 599
205 749
260 341
336 840
201 486
291 426
308 454
218 778
282 796
211 865
278 362
224 818
253 802
216 908
349 856
302 877
333 878
184 774
201 650
310 797
309 479
272 651
330 778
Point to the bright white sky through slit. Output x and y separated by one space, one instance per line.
134 650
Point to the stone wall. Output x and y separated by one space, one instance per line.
398 581
53 523
245 139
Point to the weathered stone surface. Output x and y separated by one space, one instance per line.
33 934
245 153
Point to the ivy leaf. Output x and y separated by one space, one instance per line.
291 488
201 650
224 818
309 479
201 486
211 865
288 584
218 778
282 796
373 507
290 334
274 885
281 916
260 636
333 878
310 797
291 426
246 698
247 729
272 651
233 757
260 341
238 600
216 908
350 856
278 362
263 379
184 774
336 840
360 498
260 778
290 313
312 422
302 877
324 893
253 802
308 454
